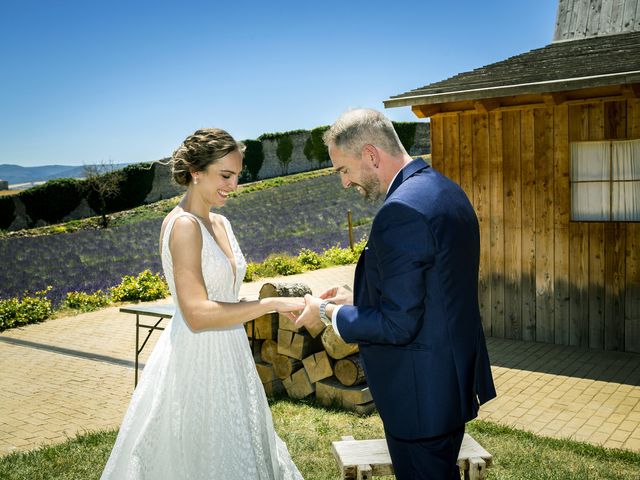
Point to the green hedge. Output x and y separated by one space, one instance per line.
7 211
279 135
406 132
53 200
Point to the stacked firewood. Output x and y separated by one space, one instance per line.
303 363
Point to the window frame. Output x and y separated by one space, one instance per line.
609 181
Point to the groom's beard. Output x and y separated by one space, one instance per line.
370 188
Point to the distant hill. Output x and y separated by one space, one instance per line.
17 174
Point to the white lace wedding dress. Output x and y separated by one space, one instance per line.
199 411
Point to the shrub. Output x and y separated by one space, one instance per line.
309 259
145 287
358 248
281 264
338 256
252 272
86 302
9 313
30 309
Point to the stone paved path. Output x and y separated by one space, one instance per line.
75 374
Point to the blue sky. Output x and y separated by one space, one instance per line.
85 81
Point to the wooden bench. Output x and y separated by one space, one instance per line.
364 459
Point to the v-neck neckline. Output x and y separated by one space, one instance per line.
233 264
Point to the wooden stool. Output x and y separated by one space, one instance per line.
365 459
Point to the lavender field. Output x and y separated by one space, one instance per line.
310 213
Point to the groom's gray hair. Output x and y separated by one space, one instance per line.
361 126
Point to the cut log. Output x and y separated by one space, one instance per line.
284 290
335 346
331 392
269 351
349 371
284 366
297 345
274 388
266 372
318 366
265 327
298 385
285 323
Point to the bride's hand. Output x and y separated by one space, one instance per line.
287 304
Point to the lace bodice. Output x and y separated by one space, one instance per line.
221 283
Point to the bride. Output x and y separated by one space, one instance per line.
200 411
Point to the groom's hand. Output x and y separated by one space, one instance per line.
310 316
339 295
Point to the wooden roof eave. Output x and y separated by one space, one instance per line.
550 86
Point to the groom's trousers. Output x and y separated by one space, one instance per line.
433 458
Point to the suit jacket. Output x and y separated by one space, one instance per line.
416 315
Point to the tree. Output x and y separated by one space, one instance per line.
253 158
314 147
284 151
102 181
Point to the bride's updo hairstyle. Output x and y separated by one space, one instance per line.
199 150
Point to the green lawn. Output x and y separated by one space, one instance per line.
308 430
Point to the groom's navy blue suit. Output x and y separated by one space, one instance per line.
416 314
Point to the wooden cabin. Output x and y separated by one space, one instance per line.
546 145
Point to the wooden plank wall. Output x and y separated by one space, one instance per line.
587 18
543 277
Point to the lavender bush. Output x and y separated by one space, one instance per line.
310 213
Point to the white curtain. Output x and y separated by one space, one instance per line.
625 157
590 163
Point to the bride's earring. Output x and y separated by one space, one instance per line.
195 180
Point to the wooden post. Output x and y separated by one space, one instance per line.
349 221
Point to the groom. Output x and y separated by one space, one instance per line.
414 310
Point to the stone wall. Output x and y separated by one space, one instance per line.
272 167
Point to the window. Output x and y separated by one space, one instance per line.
605 181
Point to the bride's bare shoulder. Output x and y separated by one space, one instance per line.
185 225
